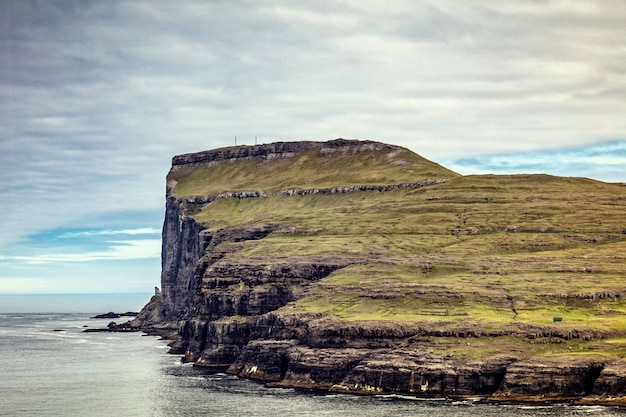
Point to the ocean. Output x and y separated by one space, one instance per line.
50 367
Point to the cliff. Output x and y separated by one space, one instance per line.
361 267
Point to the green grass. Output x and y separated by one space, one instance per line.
492 251
309 170
513 244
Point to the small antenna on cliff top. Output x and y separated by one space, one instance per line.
235 140
255 140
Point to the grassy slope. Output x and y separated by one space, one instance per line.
495 252
311 170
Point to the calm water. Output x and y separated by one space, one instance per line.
49 367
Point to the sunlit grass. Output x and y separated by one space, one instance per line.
311 169
496 242
492 251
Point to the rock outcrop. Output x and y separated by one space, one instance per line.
235 314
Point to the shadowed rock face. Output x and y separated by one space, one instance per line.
568 377
182 247
187 267
233 314
278 150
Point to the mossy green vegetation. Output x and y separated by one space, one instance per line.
311 169
497 252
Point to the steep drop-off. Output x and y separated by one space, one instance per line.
360 267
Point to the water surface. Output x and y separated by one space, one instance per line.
51 368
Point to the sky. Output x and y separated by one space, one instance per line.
96 97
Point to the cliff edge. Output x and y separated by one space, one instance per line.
361 267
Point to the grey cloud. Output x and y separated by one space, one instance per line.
96 97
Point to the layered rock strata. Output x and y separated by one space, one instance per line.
235 315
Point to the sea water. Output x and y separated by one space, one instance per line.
50 367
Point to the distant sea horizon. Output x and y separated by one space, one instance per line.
74 303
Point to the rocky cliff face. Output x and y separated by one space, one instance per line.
182 247
235 313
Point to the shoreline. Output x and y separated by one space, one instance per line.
497 398
493 399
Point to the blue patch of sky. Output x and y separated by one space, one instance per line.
90 239
605 162
111 252
127 225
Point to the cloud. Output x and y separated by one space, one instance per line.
434 74
96 98
603 161
109 232
118 251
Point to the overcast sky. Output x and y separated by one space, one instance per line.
97 96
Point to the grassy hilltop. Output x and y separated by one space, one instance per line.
502 256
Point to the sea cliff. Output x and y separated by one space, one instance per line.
360 267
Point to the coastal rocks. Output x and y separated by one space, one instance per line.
263 360
612 380
557 377
113 327
365 371
152 314
318 369
610 387
233 307
112 315
425 374
216 343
